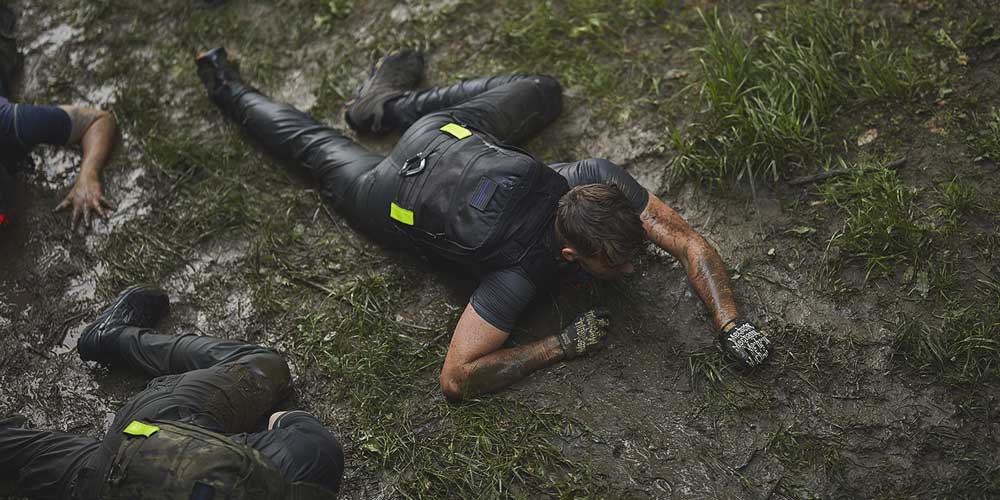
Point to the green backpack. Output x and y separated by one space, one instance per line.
175 461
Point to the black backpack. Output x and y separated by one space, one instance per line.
471 200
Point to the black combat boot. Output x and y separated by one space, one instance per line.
139 306
392 75
216 72
10 58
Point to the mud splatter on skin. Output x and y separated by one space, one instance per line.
712 280
706 270
501 369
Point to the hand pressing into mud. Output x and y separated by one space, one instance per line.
85 198
743 342
585 332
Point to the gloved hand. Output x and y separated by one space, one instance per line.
584 332
742 341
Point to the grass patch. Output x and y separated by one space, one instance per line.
581 42
985 135
770 92
963 346
883 226
801 450
708 366
203 188
958 197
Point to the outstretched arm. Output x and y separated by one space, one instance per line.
705 269
708 276
95 131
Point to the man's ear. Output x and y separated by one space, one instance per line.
569 254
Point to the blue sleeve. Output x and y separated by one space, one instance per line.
34 125
598 171
502 297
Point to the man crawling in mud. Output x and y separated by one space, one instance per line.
455 188
24 126
194 433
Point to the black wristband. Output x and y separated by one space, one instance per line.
726 327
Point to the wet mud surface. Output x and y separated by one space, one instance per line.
830 415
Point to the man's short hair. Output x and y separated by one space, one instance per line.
598 220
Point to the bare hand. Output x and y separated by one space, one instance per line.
85 197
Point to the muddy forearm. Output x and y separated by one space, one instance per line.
705 269
708 276
504 367
97 143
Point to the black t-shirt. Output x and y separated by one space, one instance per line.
503 294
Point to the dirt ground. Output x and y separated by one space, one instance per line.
247 250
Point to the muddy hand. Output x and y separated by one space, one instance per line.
85 198
586 331
743 342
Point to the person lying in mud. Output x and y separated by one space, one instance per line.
191 434
455 188
24 126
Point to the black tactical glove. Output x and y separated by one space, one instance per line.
742 341
584 332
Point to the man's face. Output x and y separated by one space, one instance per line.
604 269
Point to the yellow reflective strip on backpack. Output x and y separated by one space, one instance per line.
456 130
137 428
401 214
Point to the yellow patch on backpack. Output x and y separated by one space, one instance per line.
456 130
401 214
137 428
